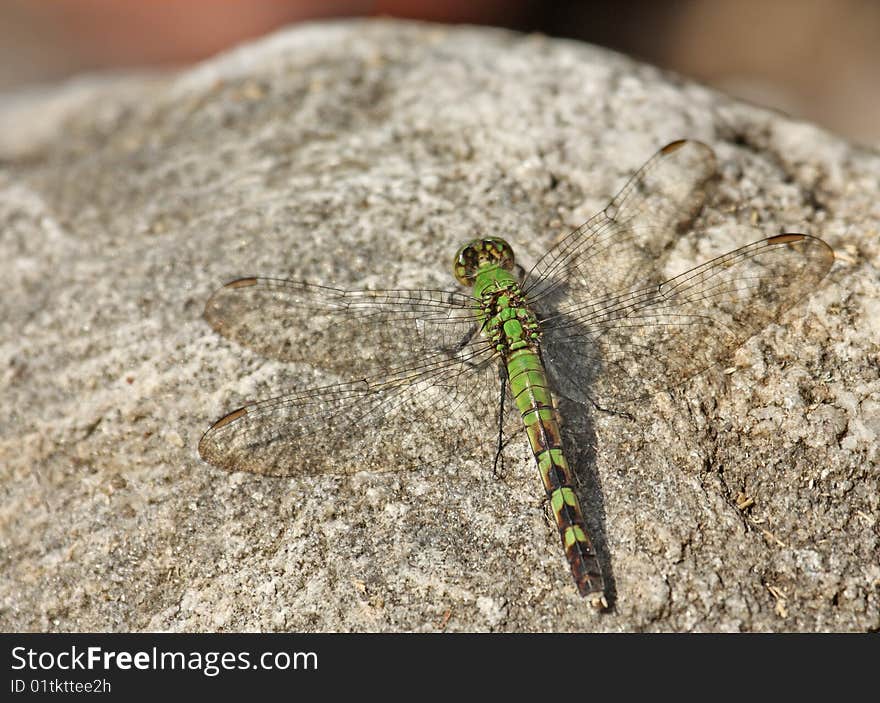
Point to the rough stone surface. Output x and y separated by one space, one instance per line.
363 154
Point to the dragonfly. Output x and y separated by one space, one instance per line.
594 321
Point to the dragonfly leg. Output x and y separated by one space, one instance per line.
503 377
502 440
611 411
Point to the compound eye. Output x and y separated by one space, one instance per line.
481 253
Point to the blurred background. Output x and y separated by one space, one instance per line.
815 59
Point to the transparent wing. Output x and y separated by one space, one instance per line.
417 416
624 246
355 333
434 390
625 346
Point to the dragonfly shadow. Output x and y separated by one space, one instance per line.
579 440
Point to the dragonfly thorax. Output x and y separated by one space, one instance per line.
488 252
507 319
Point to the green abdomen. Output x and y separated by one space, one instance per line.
528 385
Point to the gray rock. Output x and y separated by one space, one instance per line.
363 154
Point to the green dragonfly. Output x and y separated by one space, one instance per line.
594 321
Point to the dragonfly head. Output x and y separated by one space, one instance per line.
480 253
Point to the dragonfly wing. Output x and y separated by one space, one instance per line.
636 343
624 245
418 415
355 333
